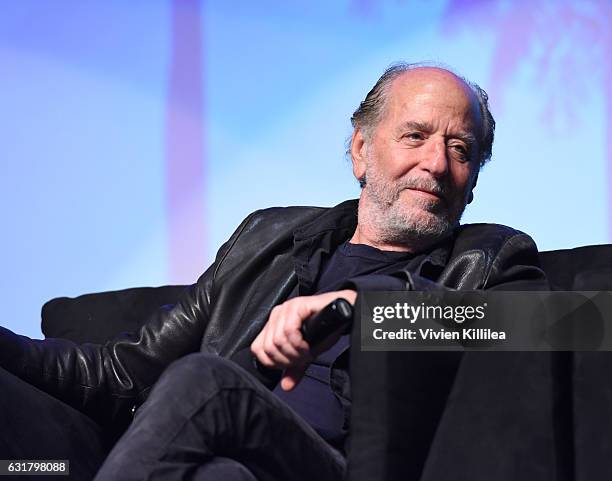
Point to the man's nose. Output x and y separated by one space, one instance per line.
435 160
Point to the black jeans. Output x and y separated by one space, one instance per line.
207 419
35 425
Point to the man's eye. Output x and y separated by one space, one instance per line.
460 149
414 136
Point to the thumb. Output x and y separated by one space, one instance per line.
292 376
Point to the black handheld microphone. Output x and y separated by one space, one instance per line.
335 316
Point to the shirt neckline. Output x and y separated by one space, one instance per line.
372 253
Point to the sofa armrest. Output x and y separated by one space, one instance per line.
101 316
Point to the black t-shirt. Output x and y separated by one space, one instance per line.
313 398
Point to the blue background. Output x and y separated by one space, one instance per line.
88 107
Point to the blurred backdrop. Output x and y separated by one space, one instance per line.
135 136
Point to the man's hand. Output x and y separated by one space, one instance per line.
280 345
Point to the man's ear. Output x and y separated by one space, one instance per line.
358 153
471 194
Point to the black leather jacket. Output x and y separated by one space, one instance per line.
264 262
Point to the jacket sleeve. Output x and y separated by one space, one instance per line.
106 380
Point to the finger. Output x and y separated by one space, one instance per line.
257 346
258 341
259 353
299 344
280 339
269 346
292 377
264 359
288 332
261 337
268 330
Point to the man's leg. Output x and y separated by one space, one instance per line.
204 407
35 425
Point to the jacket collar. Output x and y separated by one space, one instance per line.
342 218
318 238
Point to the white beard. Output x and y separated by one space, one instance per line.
418 225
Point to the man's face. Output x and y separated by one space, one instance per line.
420 161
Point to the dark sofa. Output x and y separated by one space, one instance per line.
507 416
100 316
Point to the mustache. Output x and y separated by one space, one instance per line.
423 183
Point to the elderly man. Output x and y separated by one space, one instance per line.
420 138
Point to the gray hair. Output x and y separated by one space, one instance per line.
371 109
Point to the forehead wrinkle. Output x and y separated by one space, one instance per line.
467 137
416 125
